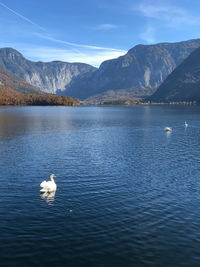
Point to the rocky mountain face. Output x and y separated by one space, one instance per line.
11 81
183 84
136 74
15 91
50 77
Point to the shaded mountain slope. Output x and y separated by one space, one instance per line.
15 91
10 80
183 84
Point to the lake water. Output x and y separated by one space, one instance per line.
128 193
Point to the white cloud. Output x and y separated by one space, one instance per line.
47 53
148 35
105 27
172 15
93 55
94 58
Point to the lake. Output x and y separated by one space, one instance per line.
128 193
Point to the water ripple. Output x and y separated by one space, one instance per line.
128 193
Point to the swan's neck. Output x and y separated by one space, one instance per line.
52 179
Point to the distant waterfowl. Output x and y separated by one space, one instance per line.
186 124
49 186
168 129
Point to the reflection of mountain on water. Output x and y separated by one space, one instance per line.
49 197
22 121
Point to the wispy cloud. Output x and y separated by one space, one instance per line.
148 35
93 55
50 53
172 15
94 58
21 16
161 16
46 54
106 27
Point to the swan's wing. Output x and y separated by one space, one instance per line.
43 190
47 185
43 184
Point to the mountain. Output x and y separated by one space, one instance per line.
136 74
183 84
133 76
15 91
50 77
10 80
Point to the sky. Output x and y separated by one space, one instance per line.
91 31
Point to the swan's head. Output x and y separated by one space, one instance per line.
52 175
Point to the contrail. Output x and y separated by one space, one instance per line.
44 36
77 45
21 16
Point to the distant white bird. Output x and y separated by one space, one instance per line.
49 186
186 124
168 129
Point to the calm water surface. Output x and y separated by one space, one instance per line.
133 189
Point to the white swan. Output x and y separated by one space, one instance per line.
168 129
186 124
49 186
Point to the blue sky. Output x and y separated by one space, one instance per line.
92 31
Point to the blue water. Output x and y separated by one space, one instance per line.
128 193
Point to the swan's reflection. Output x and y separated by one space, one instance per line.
49 197
168 134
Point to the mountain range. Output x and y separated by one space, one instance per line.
134 76
49 77
183 84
